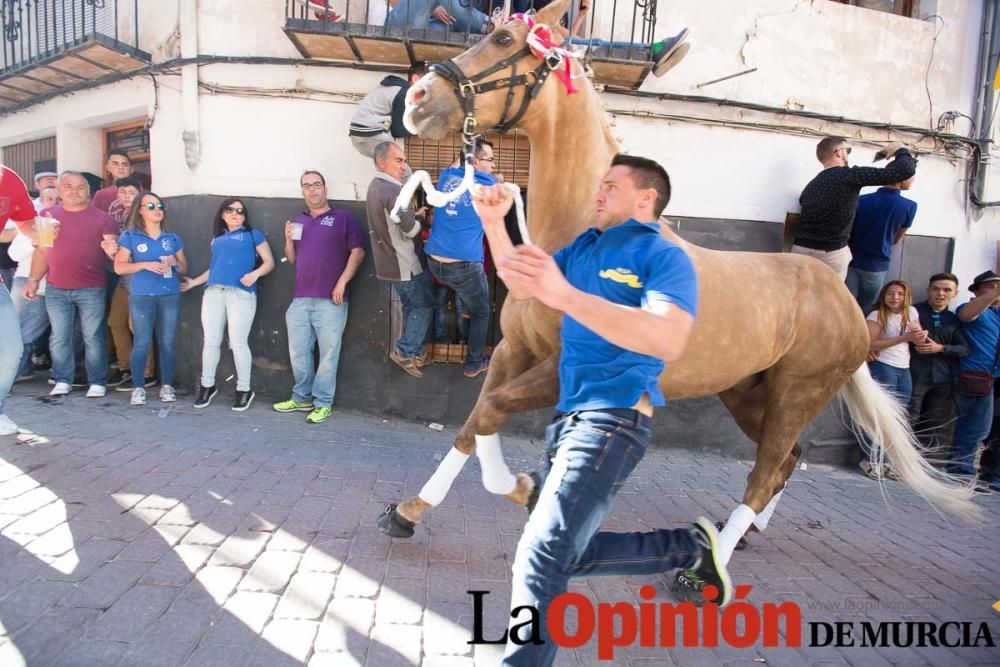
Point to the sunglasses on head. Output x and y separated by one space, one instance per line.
150 206
233 209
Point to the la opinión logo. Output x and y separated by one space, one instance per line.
740 624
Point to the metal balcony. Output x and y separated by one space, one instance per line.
50 46
358 32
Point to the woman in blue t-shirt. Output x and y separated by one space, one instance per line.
154 258
231 298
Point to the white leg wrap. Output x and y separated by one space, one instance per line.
497 477
440 482
738 524
767 512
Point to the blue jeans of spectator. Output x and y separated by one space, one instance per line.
589 455
468 279
312 320
975 416
605 44
440 308
417 300
66 306
896 380
417 14
34 321
162 314
864 286
10 344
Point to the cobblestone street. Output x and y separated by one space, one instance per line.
173 536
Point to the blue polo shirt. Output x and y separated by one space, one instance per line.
146 249
457 232
633 265
878 220
234 254
982 334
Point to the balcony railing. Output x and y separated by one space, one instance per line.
616 33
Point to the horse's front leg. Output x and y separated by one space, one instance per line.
506 391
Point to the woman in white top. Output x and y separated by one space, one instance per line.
892 326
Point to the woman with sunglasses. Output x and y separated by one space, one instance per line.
231 298
154 258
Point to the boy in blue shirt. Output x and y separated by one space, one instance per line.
629 298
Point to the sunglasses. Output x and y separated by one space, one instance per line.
233 209
150 206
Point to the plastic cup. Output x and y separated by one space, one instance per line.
297 231
165 260
46 229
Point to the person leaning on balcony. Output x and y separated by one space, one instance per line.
449 15
119 165
830 200
327 247
379 116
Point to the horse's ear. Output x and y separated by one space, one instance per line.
552 13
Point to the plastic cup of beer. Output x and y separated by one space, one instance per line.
46 229
297 231
167 261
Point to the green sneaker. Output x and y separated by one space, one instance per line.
293 406
319 415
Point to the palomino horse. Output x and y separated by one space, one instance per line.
777 335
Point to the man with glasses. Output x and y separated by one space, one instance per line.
830 200
934 363
119 165
455 252
327 247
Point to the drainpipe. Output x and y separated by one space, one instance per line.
988 59
188 23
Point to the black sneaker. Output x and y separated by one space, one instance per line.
80 381
204 397
119 377
243 400
150 381
710 570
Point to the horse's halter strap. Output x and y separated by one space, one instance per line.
466 87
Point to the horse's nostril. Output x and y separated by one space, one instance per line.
417 94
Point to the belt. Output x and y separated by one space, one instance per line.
365 133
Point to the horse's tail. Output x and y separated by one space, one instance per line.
879 415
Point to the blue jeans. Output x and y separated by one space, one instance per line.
896 380
864 286
162 314
589 455
417 300
468 279
66 306
440 308
34 321
975 416
417 14
312 320
605 44
10 344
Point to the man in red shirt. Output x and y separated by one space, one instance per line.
119 165
16 206
77 280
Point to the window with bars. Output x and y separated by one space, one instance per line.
132 138
908 8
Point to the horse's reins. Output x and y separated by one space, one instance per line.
466 88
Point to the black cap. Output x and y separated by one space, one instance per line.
984 277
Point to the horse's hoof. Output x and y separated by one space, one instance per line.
394 524
687 587
741 544
533 497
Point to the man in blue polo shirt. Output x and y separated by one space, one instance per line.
455 252
629 298
980 319
880 223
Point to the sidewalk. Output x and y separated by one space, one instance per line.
166 535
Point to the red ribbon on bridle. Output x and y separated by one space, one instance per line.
540 42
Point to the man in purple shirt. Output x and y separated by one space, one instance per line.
327 247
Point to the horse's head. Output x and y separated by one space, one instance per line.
491 82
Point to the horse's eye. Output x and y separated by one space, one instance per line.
503 39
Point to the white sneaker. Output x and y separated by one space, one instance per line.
97 391
138 396
61 389
7 427
167 394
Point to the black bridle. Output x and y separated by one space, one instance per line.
466 88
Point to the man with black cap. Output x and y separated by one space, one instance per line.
981 325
